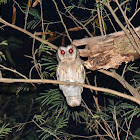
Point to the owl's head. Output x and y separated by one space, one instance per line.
69 52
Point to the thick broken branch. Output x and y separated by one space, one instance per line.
108 51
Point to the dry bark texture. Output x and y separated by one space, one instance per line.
108 51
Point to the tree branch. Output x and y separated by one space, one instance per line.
28 33
125 84
44 81
12 70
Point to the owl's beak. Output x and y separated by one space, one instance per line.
73 101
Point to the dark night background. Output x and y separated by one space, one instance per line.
20 44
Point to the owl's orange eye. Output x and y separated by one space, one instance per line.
62 52
70 50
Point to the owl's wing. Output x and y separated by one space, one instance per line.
57 74
76 72
61 72
81 73
61 75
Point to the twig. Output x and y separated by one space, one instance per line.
95 98
110 20
96 102
26 14
79 136
115 10
85 106
77 20
115 119
34 59
130 123
127 125
133 136
42 19
124 69
136 5
134 14
28 33
62 21
14 71
0 74
90 20
45 130
125 84
19 6
107 4
99 18
98 109
84 8
133 41
102 20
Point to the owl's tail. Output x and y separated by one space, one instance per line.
74 101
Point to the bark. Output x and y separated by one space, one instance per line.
108 51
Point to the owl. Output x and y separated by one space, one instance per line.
70 69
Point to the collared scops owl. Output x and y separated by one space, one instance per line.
70 68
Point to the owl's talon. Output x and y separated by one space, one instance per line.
67 82
76 82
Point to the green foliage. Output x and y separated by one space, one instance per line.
137 81
1 1
20 126
56 103
50 66
2 56
130 110
100 4
50 126
39 118
36 19
22 87
124 112
69 8
131 67
4 130
4 43
46 49
48 60
51 133
126 6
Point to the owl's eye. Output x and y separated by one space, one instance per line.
62 52
70 50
